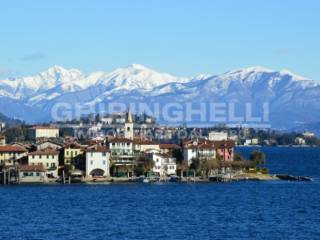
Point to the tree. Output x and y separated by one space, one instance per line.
138 170
257 157
183 166
148 164
238 157
177 154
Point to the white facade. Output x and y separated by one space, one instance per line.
2 126
308 134
128 130
218 136
145 146
49 160
300 141
2 140
164 165
97 163
48 144
189 154
46 132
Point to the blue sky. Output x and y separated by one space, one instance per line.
184 38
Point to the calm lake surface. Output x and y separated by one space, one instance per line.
242 210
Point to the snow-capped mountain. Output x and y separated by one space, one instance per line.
291 99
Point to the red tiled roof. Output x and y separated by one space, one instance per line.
98 149
144 141
47 151
224 144
31 168
9 148
203 143
44 127
169 146
118 139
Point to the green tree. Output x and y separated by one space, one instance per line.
257 157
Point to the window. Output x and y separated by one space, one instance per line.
38 174
104 162
40 156
91 162
25 174
104 154
47 164
47 156
53 164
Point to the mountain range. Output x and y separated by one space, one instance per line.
292 99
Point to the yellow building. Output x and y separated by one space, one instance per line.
11 155
72 154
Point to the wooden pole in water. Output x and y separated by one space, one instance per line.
69 180
8 175
4 176
19 181
64 180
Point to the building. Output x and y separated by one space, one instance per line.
128 127
169 148
12 155
45 132
73 154
32 174
308 134
299 141
49 158
97 162
164 164
144 145
208 150
198 149
2 126
49 144
217 136
2 140
225 149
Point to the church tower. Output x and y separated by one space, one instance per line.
128 126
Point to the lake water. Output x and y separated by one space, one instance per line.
242 210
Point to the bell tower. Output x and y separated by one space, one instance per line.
128 126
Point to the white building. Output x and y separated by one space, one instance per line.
121 150
308 134
144 145
201 149
49 158
97 162
218 136
128 127
164 164
49 144
12 155
300 141
2 140
46 132
2 126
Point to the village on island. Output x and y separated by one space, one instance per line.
129 149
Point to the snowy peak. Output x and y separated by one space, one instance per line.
60 74
136 77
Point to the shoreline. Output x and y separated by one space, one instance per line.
136 180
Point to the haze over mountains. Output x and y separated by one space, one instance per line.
292 99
